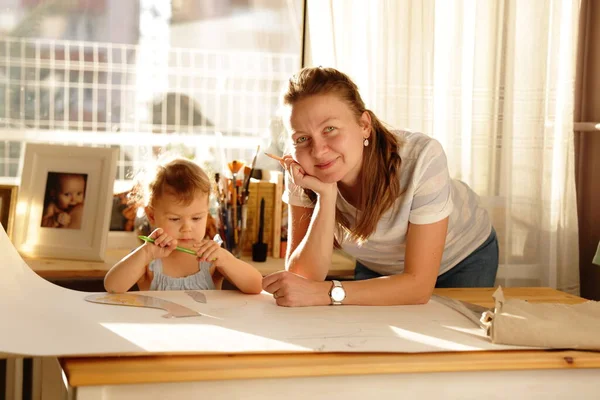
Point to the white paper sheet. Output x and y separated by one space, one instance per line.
41 319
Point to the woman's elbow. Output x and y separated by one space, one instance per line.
423 296
420 300
421 292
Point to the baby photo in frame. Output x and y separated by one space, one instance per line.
64 201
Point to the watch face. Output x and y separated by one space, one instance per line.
338 294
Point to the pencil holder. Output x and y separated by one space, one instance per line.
238 245
232 230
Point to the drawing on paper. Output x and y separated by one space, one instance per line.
197 295
174 310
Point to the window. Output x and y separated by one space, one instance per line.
198 77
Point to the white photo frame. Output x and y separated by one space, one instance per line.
51 175
8 205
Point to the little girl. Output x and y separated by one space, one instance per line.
176 204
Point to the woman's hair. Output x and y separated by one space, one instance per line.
178 177
380 170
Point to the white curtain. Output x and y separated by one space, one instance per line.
493 81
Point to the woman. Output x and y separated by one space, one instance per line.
384 197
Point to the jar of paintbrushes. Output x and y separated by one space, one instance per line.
232 199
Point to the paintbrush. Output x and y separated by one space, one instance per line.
248 171
245 191
234 167
273 156
182 249
217 239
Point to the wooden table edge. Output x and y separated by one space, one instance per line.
165 369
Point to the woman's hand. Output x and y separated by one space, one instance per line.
302 179
291 290
163 244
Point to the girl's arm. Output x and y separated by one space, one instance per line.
424 248
124 274
243 275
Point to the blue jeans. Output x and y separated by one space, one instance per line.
477 270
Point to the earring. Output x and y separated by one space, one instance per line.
366 142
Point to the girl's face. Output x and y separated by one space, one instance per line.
72 191
327 139
186 223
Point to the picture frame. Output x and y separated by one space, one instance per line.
8 205
64 201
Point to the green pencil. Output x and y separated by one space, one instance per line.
182 249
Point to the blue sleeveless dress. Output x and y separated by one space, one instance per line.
201 280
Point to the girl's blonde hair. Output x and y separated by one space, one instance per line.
178 177
380 170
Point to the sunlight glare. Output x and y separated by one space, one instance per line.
430 340
194 337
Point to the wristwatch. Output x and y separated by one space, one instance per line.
337 293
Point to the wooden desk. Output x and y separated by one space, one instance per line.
342 266
554 374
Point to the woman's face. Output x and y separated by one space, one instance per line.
327 139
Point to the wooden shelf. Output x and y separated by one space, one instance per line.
342 266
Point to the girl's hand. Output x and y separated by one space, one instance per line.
163 244
302 179
292 290
211 251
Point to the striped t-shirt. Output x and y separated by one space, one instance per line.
429 195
